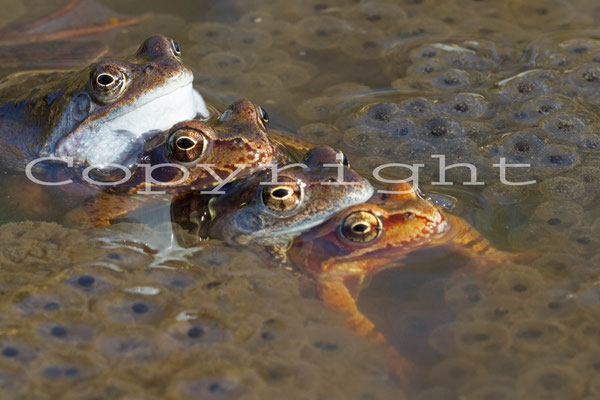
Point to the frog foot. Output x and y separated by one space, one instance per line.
336 294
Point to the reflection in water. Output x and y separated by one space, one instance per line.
127 310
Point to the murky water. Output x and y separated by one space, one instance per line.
126 313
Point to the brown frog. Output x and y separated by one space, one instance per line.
269 214
100 114
381 233
214 152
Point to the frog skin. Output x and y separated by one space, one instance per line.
99 114
237 137
271 215
381 233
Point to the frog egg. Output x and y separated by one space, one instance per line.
587 334
564 126
442 340
417 108
368 45
503 309
549 382
138 309
463 291
558 214
425 52
133 345
199 331
553 305
480 338
557 265
223 381
211 33
250 39
437 393
413 31
439 129
502 194
125 259
21 351
257 84
522 146
276 372
490 388
61 370
428 67
561 188
537 108
455 372
270 58
374 15
320 32
93 280
257 19
587 364
222 64
521 88
360 138
517 281
466 105
174 280
530 236
536 335
585 78
320 133
451 80
317 108
555 158
68 329
47 300
292 75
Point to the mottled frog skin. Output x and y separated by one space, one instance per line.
381 233
233 145
99 114
272 214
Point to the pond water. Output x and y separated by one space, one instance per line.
125 312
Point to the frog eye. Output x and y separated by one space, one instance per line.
282 197
187 145
107 83
175 48
361 227
262 114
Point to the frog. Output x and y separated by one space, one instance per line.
266 211
101 114
383 232
222 149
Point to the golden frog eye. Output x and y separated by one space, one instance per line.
361 227
107 83
187 145
175 49
282 197
262 114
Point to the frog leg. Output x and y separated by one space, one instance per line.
14 36
102 209
336 292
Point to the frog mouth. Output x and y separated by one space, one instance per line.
119 136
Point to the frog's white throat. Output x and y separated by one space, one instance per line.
115 137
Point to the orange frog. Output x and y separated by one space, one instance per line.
364 239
